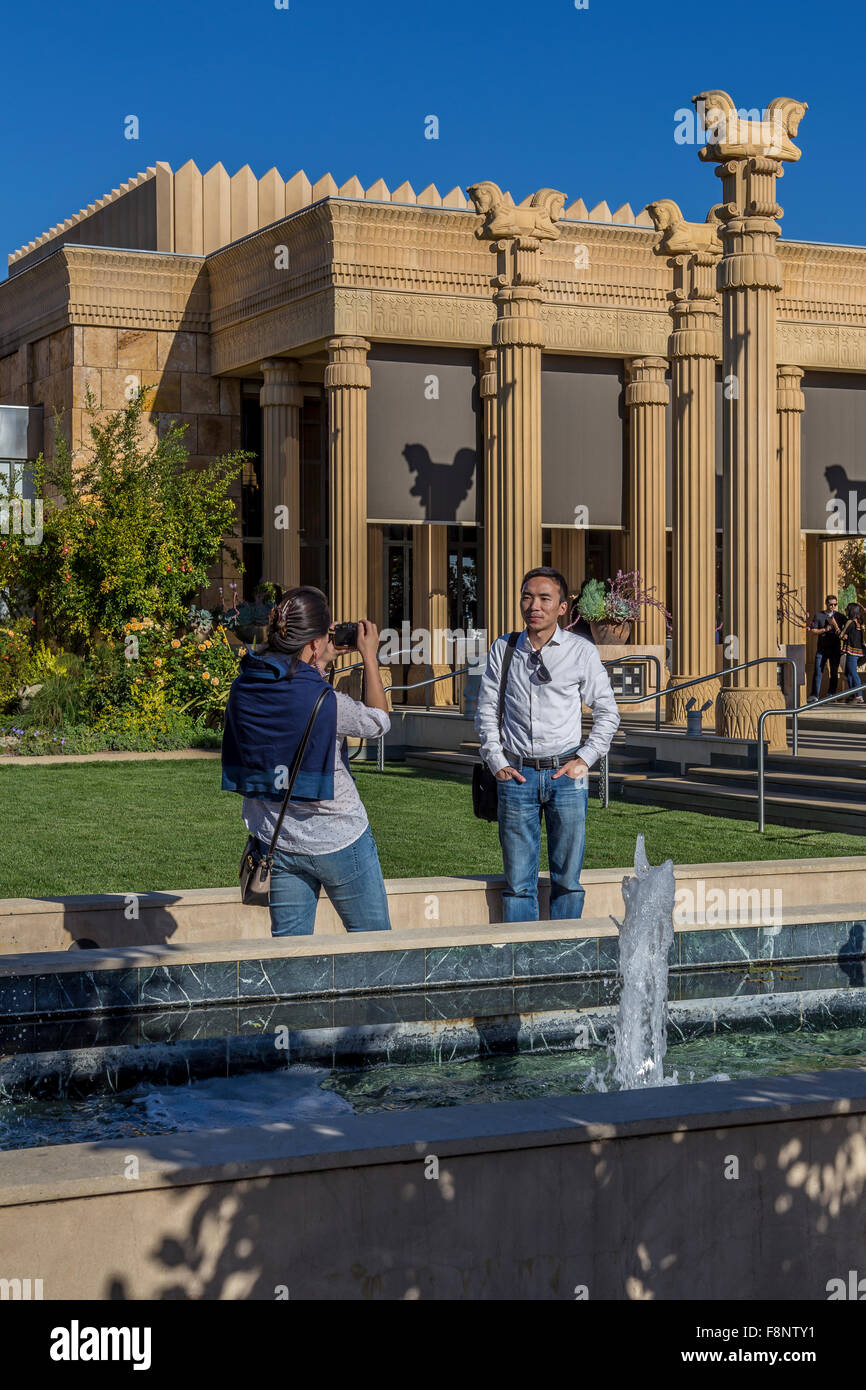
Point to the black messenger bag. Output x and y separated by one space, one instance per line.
485 788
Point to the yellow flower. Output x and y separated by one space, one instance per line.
160 681
205 676
175 643
208 643
215 681
157 661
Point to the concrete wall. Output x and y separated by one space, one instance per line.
625 1196
217 914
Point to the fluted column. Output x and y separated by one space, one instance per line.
750 160
516 234
487 386
829 558
374 609
281 399
790 403
430 609
694 250
568 554
518 336
347 379
646 396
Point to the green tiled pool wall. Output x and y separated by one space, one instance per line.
425 968
167 1049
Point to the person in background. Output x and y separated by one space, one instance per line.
852 645
829 652
540 758
325 838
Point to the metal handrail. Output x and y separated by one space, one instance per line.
641 656
720 675
767 714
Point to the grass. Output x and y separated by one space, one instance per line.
140 826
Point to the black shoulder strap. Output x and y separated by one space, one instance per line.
295 768
503 679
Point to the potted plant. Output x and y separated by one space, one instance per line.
611 606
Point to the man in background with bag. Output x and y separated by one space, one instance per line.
529 721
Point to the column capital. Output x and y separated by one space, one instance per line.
646 381
347 365
487 372
789 395
736 134
281 382
535 218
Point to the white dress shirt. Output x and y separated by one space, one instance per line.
542 719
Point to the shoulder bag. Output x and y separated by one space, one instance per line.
255 871
485 788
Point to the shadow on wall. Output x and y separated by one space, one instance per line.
440 487
107 920
749 1211
841 486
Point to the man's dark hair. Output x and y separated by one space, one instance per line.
828 598
547 572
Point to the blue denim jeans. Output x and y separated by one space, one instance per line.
854 677
351 877
562 802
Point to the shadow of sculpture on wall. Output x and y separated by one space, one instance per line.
851 494
440 487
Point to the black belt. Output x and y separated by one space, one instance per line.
539 764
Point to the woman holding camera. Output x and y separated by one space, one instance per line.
325 838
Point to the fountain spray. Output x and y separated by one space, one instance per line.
646 935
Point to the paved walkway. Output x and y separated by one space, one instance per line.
156 756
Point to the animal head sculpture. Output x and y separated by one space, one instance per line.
680 237
536 216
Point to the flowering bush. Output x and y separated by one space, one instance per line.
129 530
194 671
15 659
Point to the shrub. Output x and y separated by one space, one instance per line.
14 660
129 530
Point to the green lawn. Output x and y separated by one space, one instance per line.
138 826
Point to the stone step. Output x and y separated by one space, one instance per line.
835 787
811 812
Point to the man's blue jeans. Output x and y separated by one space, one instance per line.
562 801
351 877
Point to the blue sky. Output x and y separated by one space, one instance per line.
527 94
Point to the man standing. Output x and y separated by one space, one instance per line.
539 758
829 647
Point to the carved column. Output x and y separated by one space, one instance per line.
430 610
518 337
646 396
790 403
281 399
750 155
347 379
487 386
694 250
829 557
375 577
568 554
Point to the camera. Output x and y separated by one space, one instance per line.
345 635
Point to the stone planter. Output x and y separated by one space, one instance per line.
610 634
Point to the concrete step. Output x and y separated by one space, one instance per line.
449 760
811 812
792 783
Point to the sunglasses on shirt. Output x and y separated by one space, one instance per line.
539 667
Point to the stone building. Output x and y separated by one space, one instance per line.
442 391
